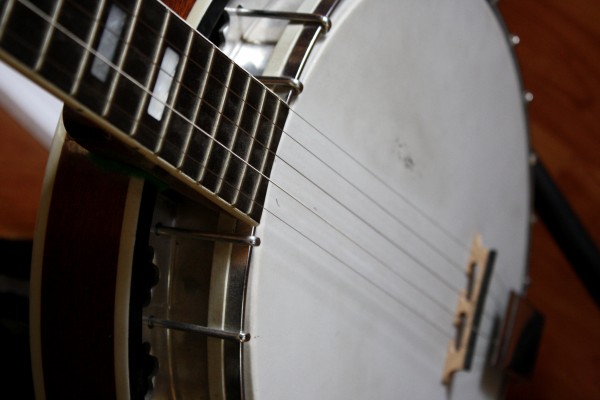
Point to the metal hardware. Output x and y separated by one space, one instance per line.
514 39
285 81
533 159
528 97
213 237
240 337
293 17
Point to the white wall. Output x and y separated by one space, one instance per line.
34 108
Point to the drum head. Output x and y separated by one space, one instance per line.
409 139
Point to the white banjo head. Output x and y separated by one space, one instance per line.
409 139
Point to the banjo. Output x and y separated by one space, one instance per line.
300 199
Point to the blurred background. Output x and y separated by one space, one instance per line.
559 55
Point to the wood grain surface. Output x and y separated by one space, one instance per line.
559 55
22 163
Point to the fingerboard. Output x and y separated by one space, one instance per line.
160 87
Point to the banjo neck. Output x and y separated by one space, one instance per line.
160 88
170 102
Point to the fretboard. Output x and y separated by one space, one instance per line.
160 87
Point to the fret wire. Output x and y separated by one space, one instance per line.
215 126
86 54
263 162
171 103
6 16
151 74
197 105
49 34
237 128
119 66
246 160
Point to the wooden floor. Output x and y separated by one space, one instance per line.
559 55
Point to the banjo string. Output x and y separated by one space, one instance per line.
118 70
353 159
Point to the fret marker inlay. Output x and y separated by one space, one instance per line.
163 84
109 42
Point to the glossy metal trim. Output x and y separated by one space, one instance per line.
210 236
304 44
240 337
285 81
292 17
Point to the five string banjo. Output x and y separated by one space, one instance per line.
286 199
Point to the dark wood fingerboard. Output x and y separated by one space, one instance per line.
150 77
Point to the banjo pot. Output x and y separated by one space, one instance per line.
353 231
